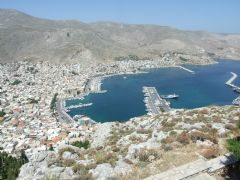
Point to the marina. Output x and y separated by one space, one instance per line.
154 103
124 97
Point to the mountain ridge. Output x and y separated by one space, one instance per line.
24 37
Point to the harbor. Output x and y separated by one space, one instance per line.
154 103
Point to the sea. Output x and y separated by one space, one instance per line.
124 97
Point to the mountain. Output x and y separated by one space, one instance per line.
25 37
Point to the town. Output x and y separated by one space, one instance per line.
30 121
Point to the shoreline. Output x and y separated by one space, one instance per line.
97 83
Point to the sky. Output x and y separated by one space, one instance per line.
208 15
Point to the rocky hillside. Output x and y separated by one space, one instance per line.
139 148
26 37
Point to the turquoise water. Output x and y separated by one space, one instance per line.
124 97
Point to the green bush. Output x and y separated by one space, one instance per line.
80 144
10 166
234 146
53 102
2 113
32 101
16 82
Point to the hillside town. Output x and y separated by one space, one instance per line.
30 122
26 94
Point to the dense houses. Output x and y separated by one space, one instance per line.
27 90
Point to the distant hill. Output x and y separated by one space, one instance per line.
26 37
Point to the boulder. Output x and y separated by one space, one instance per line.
69 155
103 172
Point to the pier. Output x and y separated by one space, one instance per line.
236 101
154 103
77 106
186 69
230 81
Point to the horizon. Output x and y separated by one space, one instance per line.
215 16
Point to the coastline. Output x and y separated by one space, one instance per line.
97 80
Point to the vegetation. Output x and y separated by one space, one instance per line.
16 82
2 113
53 102
105 157
10 166
234 146
32 101
82 144
61 151
183 59
74 73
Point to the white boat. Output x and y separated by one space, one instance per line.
170 96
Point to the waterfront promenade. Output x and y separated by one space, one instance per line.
62 114
154 103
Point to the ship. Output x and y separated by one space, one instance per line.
170 96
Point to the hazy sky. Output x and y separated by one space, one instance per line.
210 15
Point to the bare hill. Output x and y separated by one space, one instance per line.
26 37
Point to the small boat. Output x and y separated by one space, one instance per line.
170 96
125 77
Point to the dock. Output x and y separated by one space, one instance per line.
154 103
236 101
77 106
186 69
230 81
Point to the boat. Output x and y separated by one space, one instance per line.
170 96
124 77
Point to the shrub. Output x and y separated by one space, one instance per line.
183 138
82 144
32 101
61 151
210 152
2 113
10 166
16 82
167 147
234 146
68 162
104 157
144 154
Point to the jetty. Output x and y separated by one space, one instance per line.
77 106
236 101
186 69
230 81
154 103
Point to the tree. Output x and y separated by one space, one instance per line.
2 113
